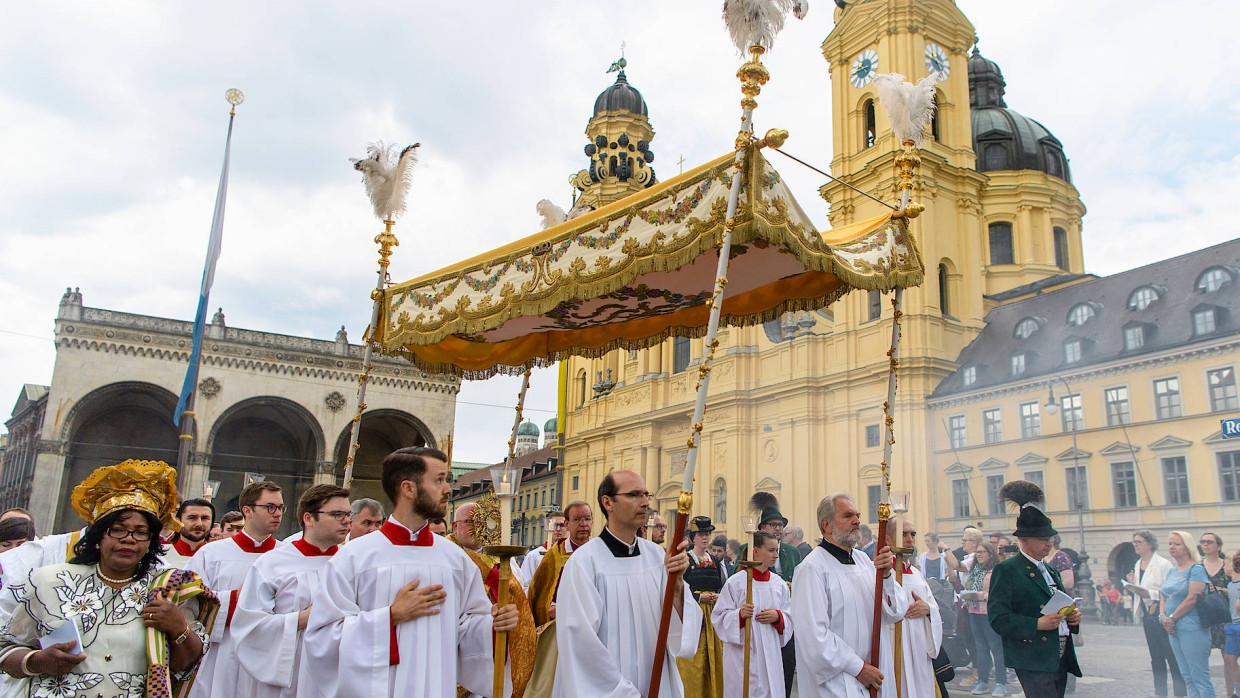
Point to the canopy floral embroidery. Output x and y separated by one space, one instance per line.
638 271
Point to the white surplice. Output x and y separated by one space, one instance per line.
352 648
269 644
530 565
223 565
607 621
178 553
766 664
921 637
833 604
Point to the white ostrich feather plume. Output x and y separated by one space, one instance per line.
551 214
757 22
908 106
387 176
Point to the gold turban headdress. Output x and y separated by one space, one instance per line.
144 485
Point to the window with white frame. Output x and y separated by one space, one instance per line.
1142 298
1025 328
1167 398
1175 479
1212 279
1080 314
1229 475
1018 364
1077 486
960 499
992 426
1134 337
994 483
957 431
1203 321
1124 481
1118 409
1030 420
1037 477
872 437
1072 351
1073 413
1222 384
970 375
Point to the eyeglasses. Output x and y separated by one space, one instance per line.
661 527
120 533
559 527
636 494
339 516
273 509
588 519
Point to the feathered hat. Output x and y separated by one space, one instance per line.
767 507
144 485
1030 522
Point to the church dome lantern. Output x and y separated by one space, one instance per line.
617 144
1003 138
621 97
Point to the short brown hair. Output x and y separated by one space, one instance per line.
568 510
313 498
607 488
406 464
761 537
249 496
230 517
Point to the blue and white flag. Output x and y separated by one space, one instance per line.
208 277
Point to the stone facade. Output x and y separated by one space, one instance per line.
267 403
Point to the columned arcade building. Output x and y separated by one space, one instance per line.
267 404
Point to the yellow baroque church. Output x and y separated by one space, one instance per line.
795 405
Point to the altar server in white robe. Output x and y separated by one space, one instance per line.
833 603
402 612
274 604
923 627
609 601
223 566
196 517
772 607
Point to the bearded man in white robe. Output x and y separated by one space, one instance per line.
923 628
402 611
833 604
609 601
274 605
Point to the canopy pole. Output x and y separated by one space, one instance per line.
386 241
753 76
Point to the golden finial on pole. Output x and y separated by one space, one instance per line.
234 97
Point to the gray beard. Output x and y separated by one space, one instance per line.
848 539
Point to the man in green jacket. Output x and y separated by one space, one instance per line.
1039 647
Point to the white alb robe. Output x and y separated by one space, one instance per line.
607 620
352 648
277 588
530 565
833 604
223 566
921 637
178 553
766 664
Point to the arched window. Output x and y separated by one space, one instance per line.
1142 298
1001 251
871 123
721 501
1080 314
1061 248
1025 328
1212 279
944 293
581 387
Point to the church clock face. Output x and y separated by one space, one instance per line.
863 68
936 62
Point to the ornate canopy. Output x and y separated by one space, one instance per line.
638 271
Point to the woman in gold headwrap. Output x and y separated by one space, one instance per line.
142 629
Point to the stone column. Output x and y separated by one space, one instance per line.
325 474
45 500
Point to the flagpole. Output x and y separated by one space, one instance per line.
183 415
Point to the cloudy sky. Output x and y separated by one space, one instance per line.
112 122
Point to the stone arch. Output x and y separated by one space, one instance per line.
381 432
130 419
1120 561
272 436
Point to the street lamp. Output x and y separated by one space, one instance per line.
1083 582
